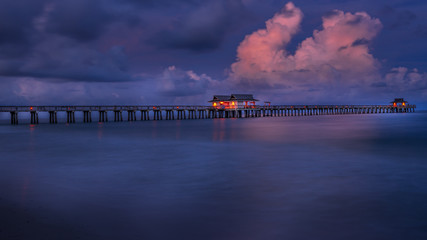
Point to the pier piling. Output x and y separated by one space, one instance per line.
14 118
34 117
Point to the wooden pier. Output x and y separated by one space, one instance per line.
145 113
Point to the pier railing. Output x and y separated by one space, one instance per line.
171 112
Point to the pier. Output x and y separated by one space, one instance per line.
146 113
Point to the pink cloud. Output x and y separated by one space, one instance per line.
341 46
337 52
261 54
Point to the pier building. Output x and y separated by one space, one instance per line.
233 101
399 102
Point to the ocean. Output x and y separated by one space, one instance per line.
308 177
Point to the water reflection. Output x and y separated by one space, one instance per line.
319 177
219 130
178 130
100 130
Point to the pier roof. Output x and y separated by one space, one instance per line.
234 97
245 97
399 100
220 98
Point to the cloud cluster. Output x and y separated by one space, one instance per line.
173 86
339 51
177 82
403 80
335 61
90 41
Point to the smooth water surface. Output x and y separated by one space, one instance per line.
313 177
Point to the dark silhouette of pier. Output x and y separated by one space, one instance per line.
145 113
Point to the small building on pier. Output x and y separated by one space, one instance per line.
233 101
399 102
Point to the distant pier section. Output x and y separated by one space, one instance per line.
222 106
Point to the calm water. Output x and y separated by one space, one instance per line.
317 177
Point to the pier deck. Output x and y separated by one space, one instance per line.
163 112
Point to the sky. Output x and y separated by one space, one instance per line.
74 52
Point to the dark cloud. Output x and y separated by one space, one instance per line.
194 40
17 27
357 19
79 19
72 40
421 31
163 3
394 18
70 63
379 85
358 42
330 14
204 28
48 40
16 19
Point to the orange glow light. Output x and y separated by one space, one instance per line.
232 103
404 104
394 104
214 104
221 102
31 108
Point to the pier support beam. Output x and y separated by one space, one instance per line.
14 118
170 115
34 117
158 115
87 116
202 114
191 114
145 115
181 114
118 116
53 117
131 116
103 116
71 117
